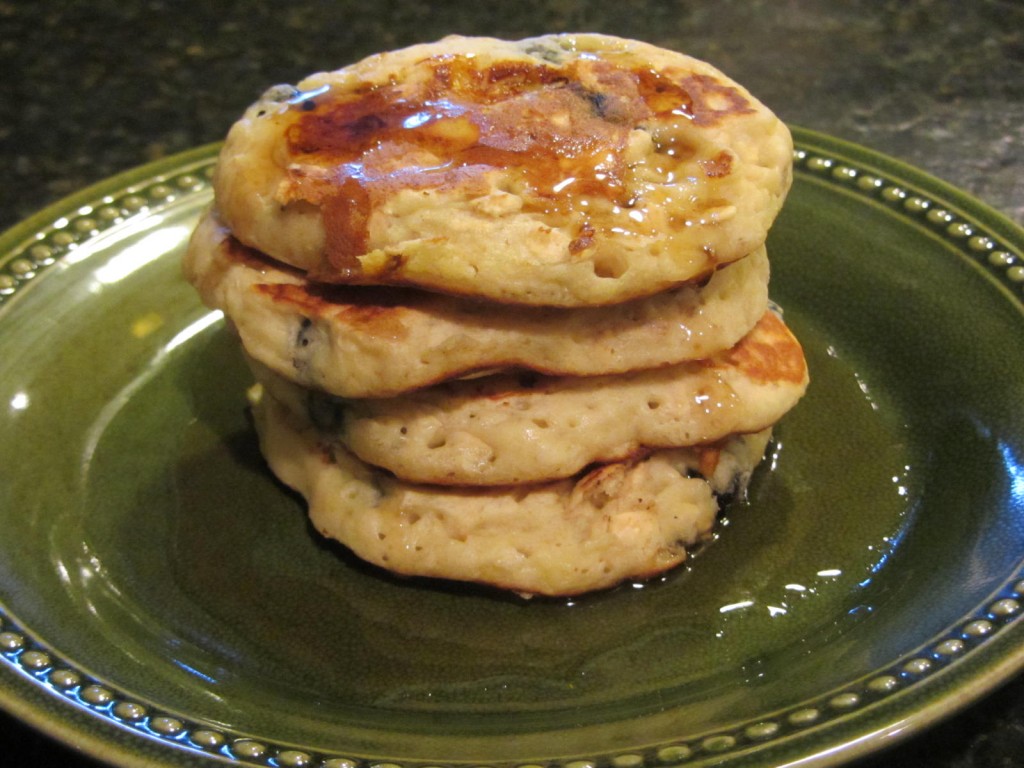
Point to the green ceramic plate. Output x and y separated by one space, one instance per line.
164 602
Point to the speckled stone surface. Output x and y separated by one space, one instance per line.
93 88
90 89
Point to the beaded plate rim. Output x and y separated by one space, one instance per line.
983 647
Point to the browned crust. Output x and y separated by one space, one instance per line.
769 353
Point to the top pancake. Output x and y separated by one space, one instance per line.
566 170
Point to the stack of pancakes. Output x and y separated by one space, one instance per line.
507 303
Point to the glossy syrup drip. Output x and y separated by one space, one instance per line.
560 134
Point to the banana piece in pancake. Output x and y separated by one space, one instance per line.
631 519
565 170
501 430
364 341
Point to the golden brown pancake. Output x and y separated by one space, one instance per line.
505 429
367 341
566 170
625 520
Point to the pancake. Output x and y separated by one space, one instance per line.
507 429
621 521
565 170
362 341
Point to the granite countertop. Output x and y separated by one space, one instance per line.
91 89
